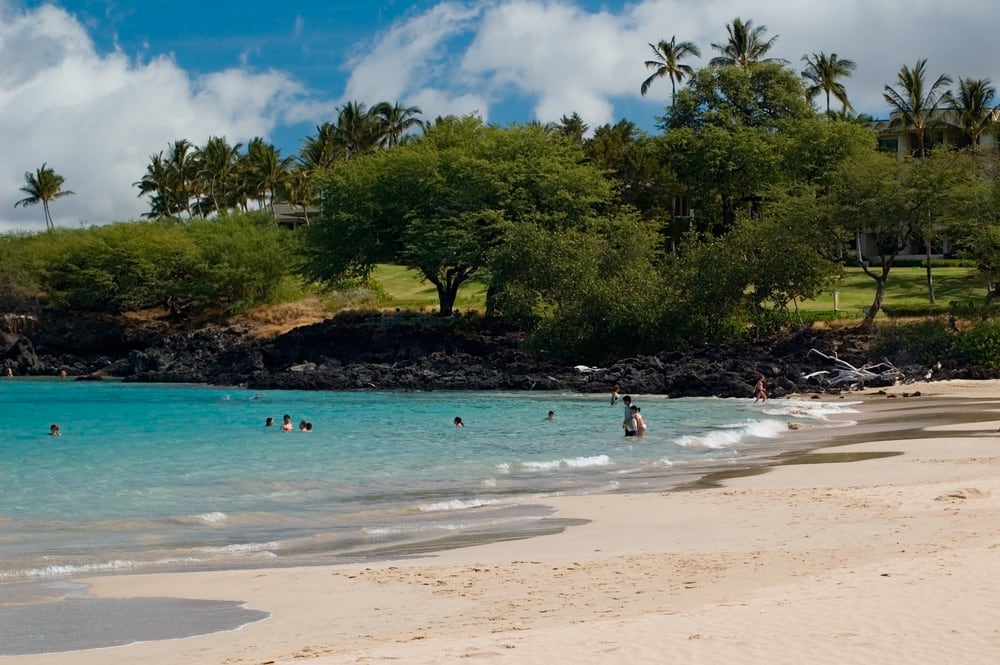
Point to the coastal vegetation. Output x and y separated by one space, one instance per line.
746 211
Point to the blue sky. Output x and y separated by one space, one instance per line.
94 87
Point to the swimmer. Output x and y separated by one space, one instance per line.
551 416
54 430
269 422
286 425
458 422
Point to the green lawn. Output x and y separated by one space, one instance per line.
907 287
406 290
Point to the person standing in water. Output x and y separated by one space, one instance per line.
760 391
640 423
628 419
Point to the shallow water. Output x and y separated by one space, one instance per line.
176 477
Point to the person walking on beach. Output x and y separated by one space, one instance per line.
760 391
628 419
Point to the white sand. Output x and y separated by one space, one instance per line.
890 560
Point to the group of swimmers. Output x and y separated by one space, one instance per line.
632 421
286 424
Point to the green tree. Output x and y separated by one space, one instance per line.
746 45
667 62
582 294
394 120
322 151
768 96
973 106
823 73
572 127
631 159
182 168
267 172
358 130
868 194
440 203
43 186
216 167
915 104
942 187
156 183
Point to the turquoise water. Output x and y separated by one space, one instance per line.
170 477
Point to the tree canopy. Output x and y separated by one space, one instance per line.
441 203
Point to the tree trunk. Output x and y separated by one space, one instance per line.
869 320
49 225
930 278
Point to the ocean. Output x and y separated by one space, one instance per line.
161 478
151 478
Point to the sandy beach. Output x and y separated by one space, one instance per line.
884 548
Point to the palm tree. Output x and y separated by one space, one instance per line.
267 171
183 173
911 105
357 130
300 189
216 166
156 183
322 151
973 106
42 186
394 120
668 56
745 46
822 72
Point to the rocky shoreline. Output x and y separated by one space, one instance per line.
422 353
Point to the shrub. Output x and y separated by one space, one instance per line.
981 344
925 341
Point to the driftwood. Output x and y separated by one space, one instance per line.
847 375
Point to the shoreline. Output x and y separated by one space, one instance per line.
882 557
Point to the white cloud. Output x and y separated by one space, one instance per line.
563 58
95 119
409 55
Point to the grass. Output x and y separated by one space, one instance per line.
906 288
406 290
